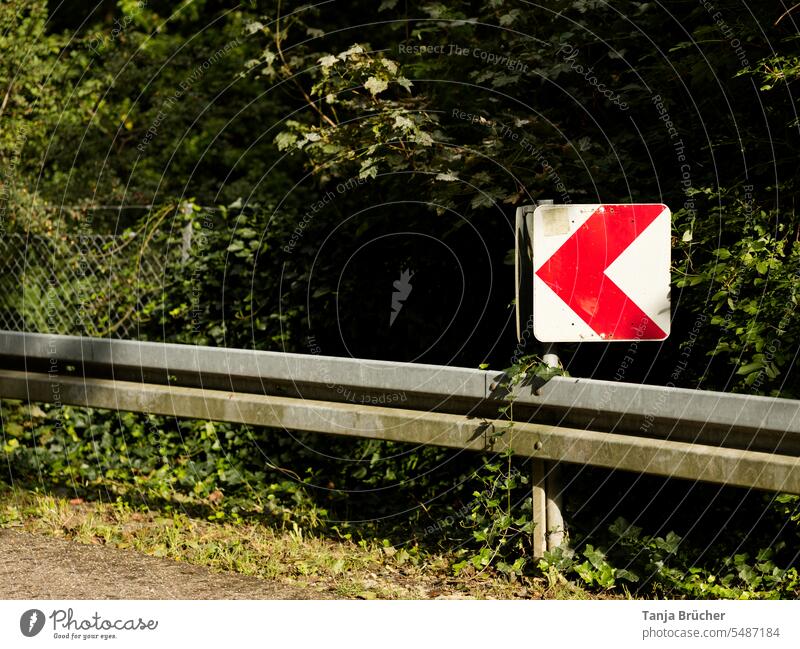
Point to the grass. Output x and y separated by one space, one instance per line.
292 555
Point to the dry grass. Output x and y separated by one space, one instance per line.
347 569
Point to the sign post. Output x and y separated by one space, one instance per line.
587 273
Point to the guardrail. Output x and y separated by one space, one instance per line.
729 439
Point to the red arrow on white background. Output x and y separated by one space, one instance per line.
589 240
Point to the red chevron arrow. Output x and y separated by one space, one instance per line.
576 272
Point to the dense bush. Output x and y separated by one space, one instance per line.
291 161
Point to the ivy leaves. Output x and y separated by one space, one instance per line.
750 284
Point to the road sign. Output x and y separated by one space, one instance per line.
601 272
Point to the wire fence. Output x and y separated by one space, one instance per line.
93 285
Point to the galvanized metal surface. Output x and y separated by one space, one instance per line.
341 379
697 416
540 441
539 506
716 418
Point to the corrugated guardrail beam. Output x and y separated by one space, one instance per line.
712 418
658 457
340 379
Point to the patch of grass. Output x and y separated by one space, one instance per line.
364 570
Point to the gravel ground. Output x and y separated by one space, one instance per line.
40 567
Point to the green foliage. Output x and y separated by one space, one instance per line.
447 116
665 566
745 276
499 519
219 469
95 117
222 281
531 368
500 513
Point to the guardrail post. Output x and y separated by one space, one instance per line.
553 494
538 494
553 484
546 493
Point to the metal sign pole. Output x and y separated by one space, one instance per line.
548 522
